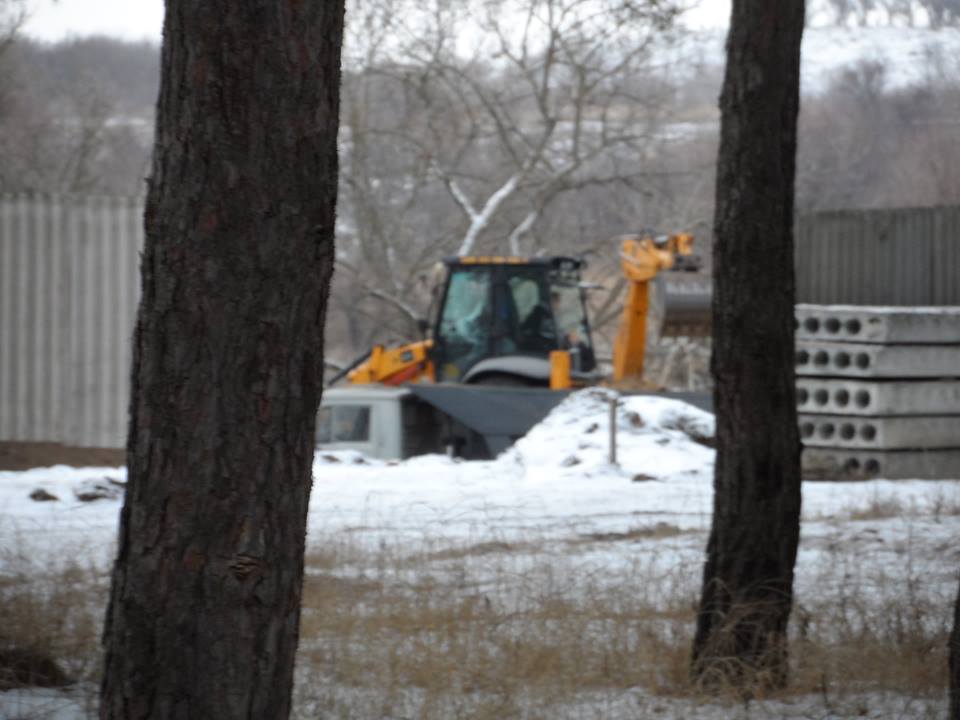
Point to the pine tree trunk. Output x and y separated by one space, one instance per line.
204 609
748 576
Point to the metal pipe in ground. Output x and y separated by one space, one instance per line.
612 456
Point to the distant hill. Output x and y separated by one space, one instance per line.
909 54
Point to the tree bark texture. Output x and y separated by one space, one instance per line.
748 576
203 618
954 661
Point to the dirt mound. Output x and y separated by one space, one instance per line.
23 456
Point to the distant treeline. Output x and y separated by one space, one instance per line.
431 145
931 13
76 116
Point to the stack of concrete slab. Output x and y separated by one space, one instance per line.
878 391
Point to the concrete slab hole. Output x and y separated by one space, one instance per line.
853 326
821 397
827 430
868 432
841 397
811 324
862 398
832 326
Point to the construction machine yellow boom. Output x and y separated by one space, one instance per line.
523 321
395 366
641 259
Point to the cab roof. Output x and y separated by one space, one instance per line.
559 262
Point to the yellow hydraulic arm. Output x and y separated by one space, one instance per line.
641 258
395 366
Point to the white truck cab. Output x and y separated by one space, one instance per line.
368 419
394 423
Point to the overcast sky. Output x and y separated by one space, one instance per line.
143 19
130 19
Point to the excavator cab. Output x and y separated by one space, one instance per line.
523 321
501 317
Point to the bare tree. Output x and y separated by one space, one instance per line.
741 635
865 143
67 122
935 13
12 16
465 123
228 355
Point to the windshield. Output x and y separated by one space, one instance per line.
510 309
465 324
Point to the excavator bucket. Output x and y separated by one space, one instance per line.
684 299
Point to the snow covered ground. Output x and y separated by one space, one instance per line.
879 537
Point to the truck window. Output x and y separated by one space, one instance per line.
343 423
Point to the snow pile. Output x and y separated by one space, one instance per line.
554 481
656 437
555 477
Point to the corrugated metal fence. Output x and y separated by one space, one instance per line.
68 297
69 290
880 257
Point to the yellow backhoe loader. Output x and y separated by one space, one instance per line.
509 340
523 322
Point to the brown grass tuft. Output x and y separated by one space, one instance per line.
529 627
51 627
880 508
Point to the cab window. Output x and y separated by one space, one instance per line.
535 330
343 423
465 323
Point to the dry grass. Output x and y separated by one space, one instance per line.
490 628
945 504
482 631
52 614
880 508
644 532
939 505
895 640
501 630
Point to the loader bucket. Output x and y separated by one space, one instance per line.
684 299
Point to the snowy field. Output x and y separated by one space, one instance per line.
554 503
